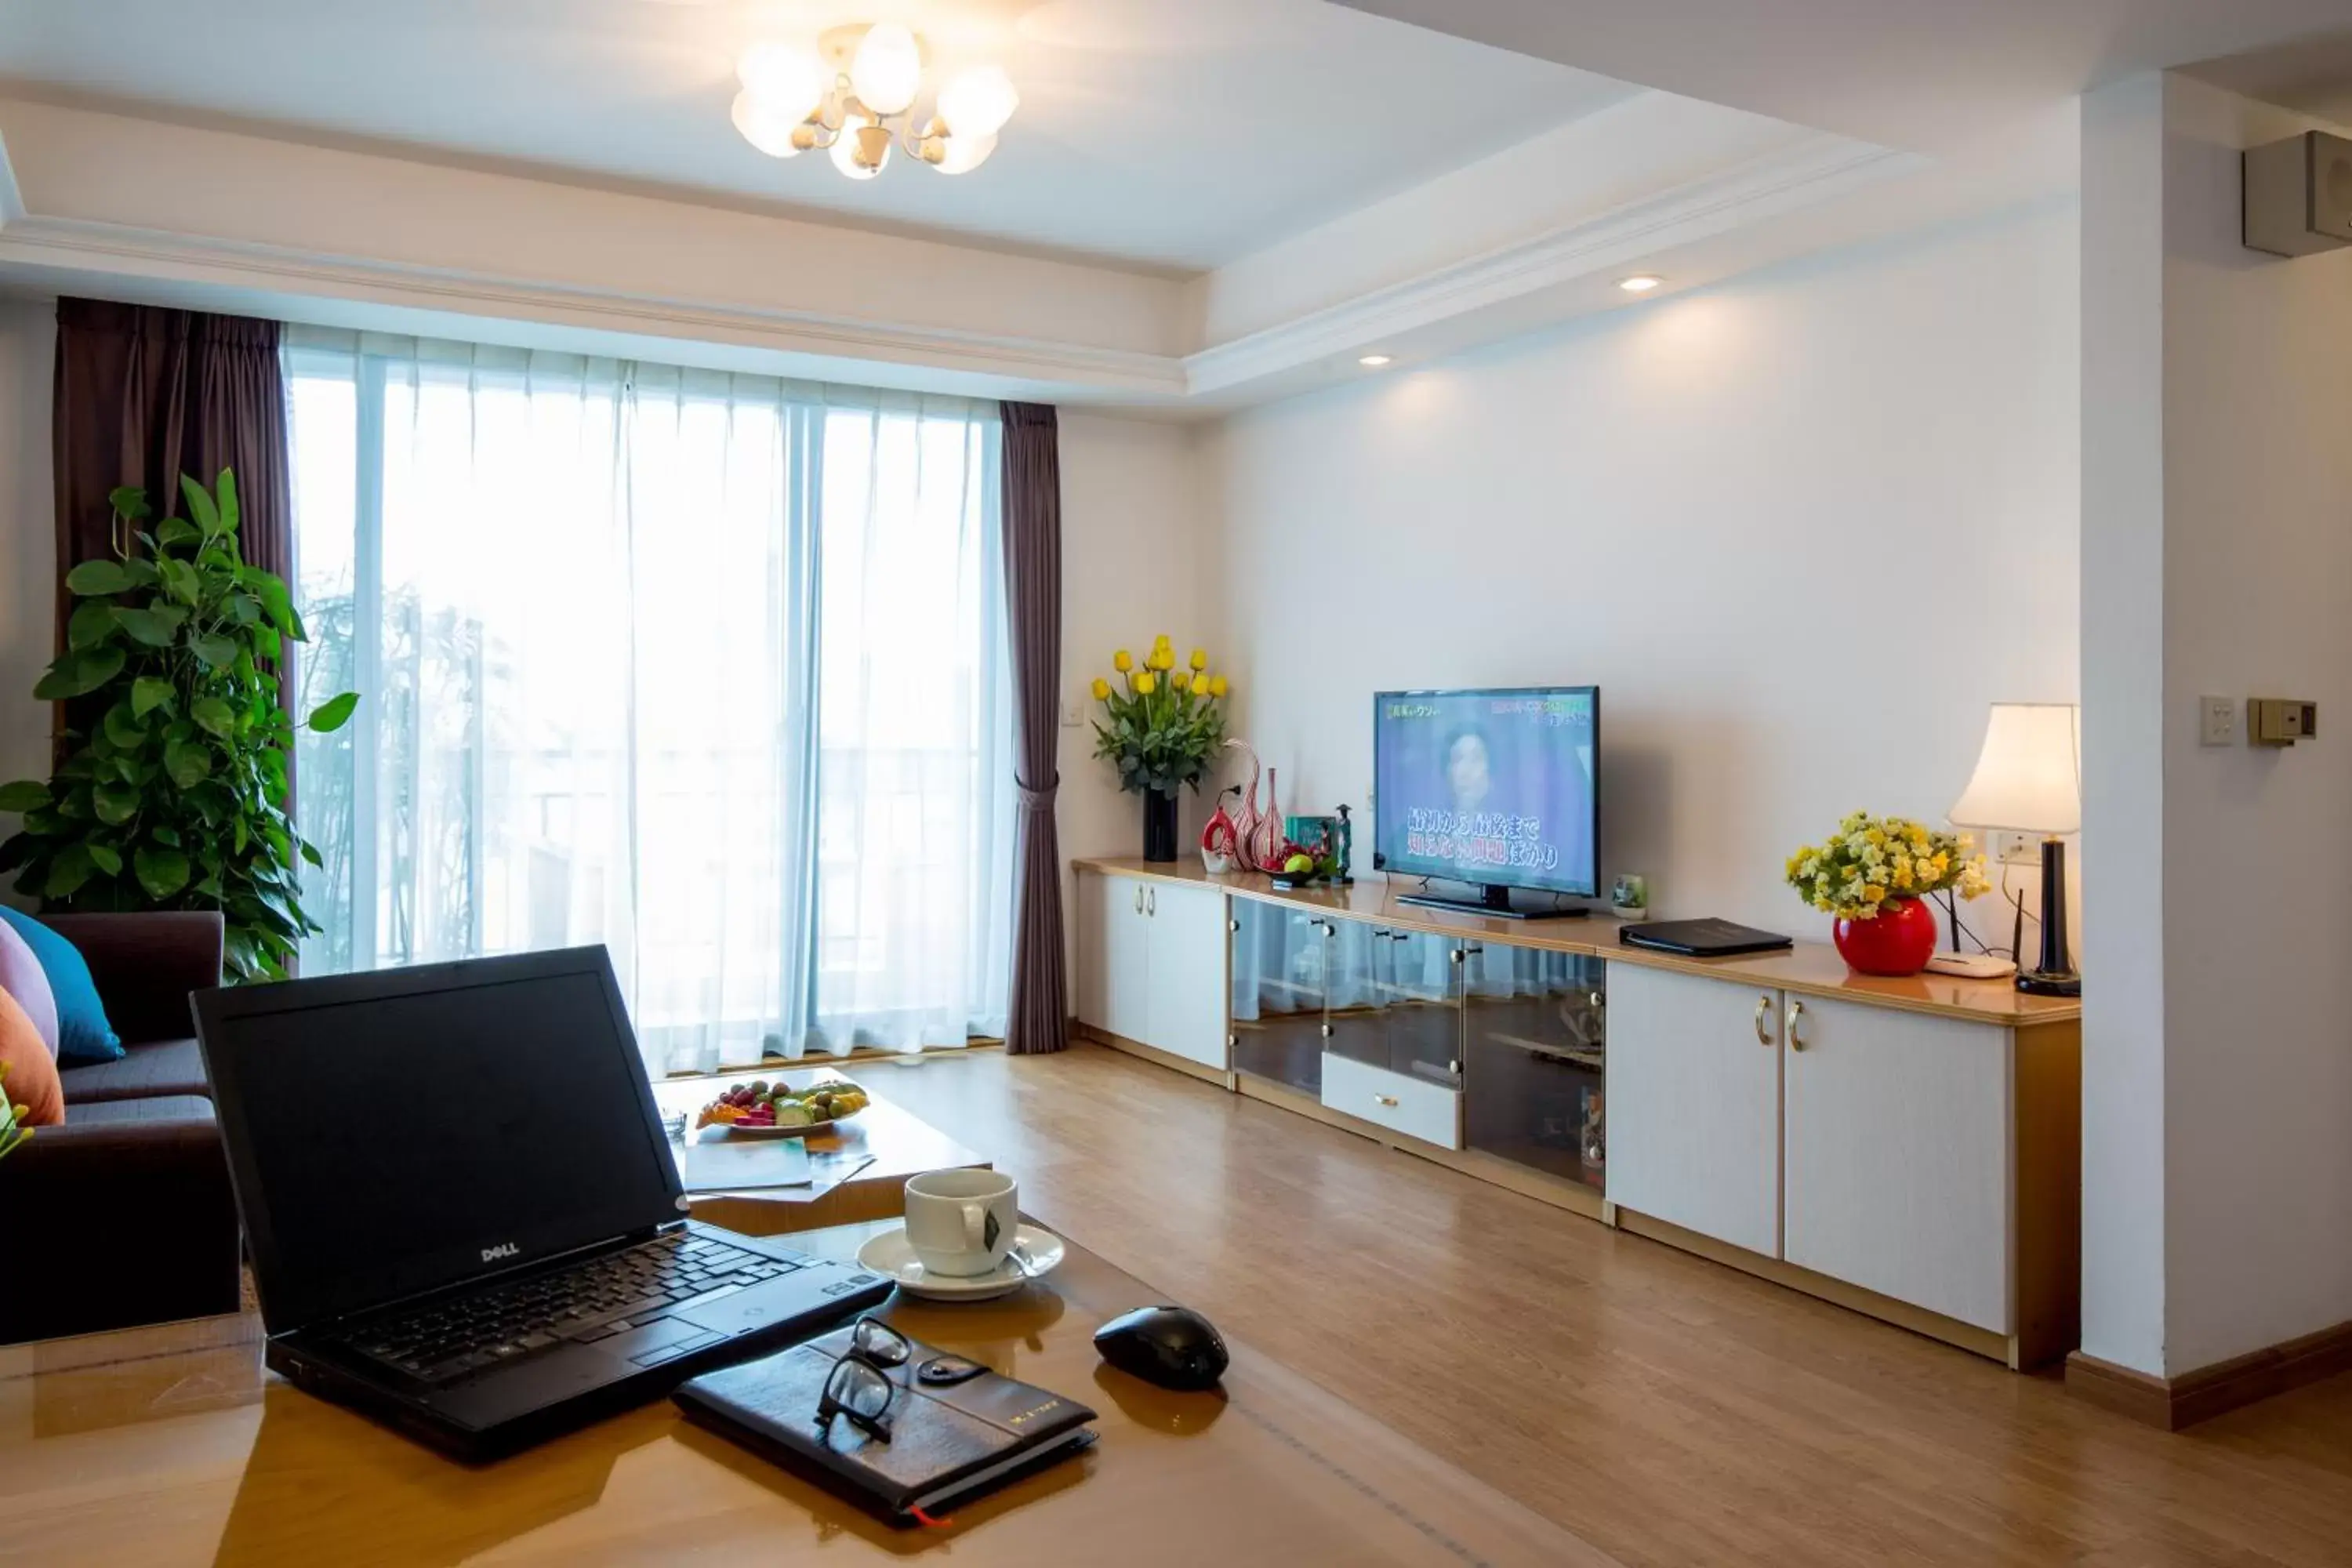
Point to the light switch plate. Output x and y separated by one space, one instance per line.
2016 849
2217 720
1073 715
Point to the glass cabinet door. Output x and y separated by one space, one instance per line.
1359 1000
1280 961
1535 1028
1420 976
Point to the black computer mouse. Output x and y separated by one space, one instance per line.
1174 1347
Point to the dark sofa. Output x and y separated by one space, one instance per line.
124 1215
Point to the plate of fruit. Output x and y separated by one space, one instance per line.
763 1109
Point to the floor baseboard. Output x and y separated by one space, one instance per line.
2173 1403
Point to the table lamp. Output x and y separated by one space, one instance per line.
2029 779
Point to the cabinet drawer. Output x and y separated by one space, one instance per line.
1399 1103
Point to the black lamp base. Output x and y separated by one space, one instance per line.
2040 984
2054 976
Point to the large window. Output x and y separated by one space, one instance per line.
706 667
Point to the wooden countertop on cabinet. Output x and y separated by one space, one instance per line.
1809 969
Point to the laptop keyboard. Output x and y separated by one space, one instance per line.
455 1335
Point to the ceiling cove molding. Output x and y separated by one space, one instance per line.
83 246
1817 169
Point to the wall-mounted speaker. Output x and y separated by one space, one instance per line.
2299 195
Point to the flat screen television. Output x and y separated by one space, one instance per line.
1499 788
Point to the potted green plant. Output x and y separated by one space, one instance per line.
1161 724
171 793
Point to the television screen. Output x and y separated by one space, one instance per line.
1492 787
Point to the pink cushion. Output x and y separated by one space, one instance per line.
31 1079
22 977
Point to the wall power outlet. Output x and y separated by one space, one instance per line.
2017 848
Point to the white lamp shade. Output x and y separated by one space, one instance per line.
787 83
965 154
888 68
977 103
2029 777
771 132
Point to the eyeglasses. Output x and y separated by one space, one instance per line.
860 1385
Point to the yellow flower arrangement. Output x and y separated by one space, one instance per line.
1161 723
1872 859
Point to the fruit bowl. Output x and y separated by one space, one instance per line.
762 1110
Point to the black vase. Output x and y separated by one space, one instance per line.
1159 824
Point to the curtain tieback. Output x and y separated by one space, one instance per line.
1037 799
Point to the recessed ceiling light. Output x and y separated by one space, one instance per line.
1640 283
1373 361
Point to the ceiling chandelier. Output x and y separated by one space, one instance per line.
853 96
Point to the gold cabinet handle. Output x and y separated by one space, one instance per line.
1387 1100
1763 1005
1796 1017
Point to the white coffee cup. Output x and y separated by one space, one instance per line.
962 1222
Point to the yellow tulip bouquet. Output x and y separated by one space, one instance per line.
1871 860
1161 720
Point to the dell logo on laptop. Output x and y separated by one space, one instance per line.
503 1249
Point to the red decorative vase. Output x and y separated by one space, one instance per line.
1899 940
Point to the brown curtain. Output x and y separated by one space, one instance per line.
1037 1012
144 395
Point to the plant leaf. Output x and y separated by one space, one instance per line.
213 715
177 531
310 853
68 869
116 804
77 674
180 580
97 577
150 693
334 713
200 504
91 624
162 873
164 834
214 651
128 499
188 762
123 729
25 795
227 487
155 625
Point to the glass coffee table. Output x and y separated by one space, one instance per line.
878 1149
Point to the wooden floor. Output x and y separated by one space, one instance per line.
1666 1409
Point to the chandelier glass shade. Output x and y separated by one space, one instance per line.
855 99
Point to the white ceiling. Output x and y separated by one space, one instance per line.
1923 74
1169 134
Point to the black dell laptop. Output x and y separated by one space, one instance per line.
463 1216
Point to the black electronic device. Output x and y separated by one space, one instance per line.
463 1215
1173 1347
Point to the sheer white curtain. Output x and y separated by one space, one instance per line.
706 667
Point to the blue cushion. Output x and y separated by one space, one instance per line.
84 1037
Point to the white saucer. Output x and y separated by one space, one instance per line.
890 1254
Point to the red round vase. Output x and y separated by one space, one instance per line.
1899 940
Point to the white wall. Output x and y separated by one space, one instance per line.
1801 529
1132 566
2257 599
28 539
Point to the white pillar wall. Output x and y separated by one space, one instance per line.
2217 558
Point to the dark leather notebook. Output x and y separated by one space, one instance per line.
947 1445
1702 938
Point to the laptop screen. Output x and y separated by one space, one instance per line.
400 1131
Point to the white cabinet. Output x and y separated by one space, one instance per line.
1695 1104
1428 1111
1151 964
1897 1156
